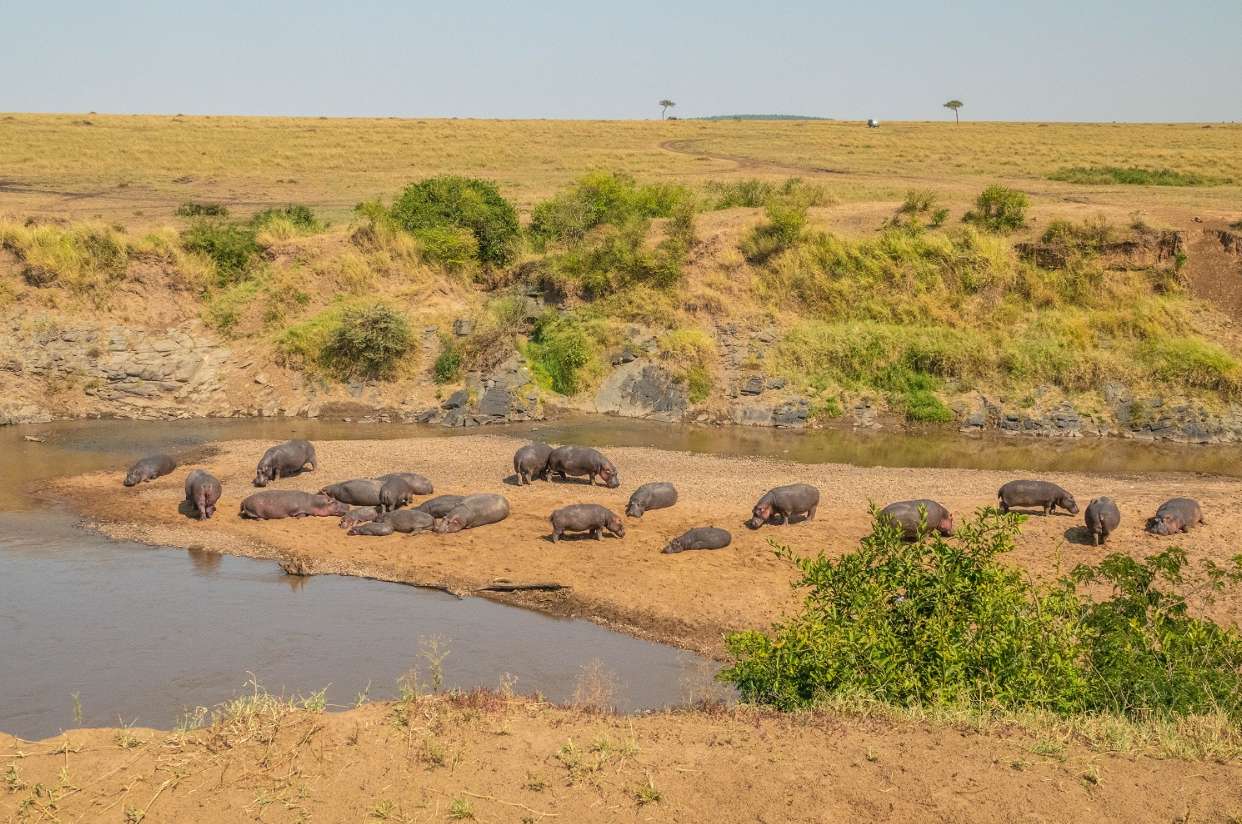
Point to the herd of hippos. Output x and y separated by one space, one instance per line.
375 506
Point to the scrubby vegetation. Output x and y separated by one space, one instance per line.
231 246
1132 176
429 207
603 198
919 211
84 258
350 341
999 209
193 209
561 351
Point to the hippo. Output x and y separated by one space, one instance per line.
409 521
701 537
375 528
1176 515
591 518
359 515
909 515
651 496
1043 494
273 504
779 505
1102 518
583 460
395 493
419 484
149 468
284 460
472 511
202 491
531 462
358 492
440 505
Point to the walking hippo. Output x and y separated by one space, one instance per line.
290 503
1102 518
779 505
395 493
472 511
909 516
373 528
530 462
701 537
1176 515
591 518
284 460
358 492
582 460
359 515
149 468
1043 494
440 505
419 484
651 496
202 491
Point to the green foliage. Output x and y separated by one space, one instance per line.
1133 176
1092 235
946 622
367 343
919 211
1194 362
601 198
226 307
466 203
689 354
192 209
452 247
617 257
754 193
233 248
85 258
783 229
448 363
561 351
298 218
999 209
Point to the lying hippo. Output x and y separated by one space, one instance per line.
358 492
531 462
472 511
409 521
284 460
1043 494
651 496
359 515
273 504
419 484
778 505
909 515
202 492
702 537
395 493
1176 515
374 528
583 460
1102 518
440 505
149 468
591 518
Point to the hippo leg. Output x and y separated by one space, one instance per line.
810 513
591 479
597 533
1095 539
781 517
1004 508
556 535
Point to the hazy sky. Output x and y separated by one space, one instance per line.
897 59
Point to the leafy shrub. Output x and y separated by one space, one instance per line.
1132 176
289 221
755 193
448 363
560 352
367 343
618 257
601 198
783 229
233 248
999 209
689 354
193 209
451 247
467 203
919 211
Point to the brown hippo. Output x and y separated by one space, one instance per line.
702 537
419 484
358 492
270 505
591 518
284 460
531 463
1102 517
440 505
582 460
472 511
1042 494
149 468
202 492
651 496
780 505
1176 515
359 515
919 516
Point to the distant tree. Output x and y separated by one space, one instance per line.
665 105
955 105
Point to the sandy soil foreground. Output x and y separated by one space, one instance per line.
481 757
689 599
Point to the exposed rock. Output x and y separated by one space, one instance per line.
463 327
753 386
456 400
642 390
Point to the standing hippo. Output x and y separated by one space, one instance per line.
591 518
358 492
1176 515
440 505
419 484
1102 518
149 468
531 462
273 504
284 460
359 515
651 496
702 537
202 492
583 460
395 493
779 505
909 517
474 510
1043 494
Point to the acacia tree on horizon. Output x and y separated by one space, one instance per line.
665 105
955 105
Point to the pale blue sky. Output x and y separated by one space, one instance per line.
899 59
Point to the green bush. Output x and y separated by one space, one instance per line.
1132 176
297 216
451 247
999 209
467 203
1194 362
602 198
367 342
193 209
783 229
232 248
946 622
449 362
753 193
919 211
618 257
560 351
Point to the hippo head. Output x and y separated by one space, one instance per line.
329 507
1068 503
609 474
1164 525
262 476
449 523
614 525
760 515
133 477
673 547
634 509
945 527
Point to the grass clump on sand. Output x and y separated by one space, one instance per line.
1132 176
286 222
85 258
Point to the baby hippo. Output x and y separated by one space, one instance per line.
408 521
396 492
202 491
418 483
908 516
472 511
149 468
591 518
531 463
358 492
651 496
1102 518
779 505
1043 494
273 504
1176 515
376 529
440 505
283 460
702 537
359 515
582 460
